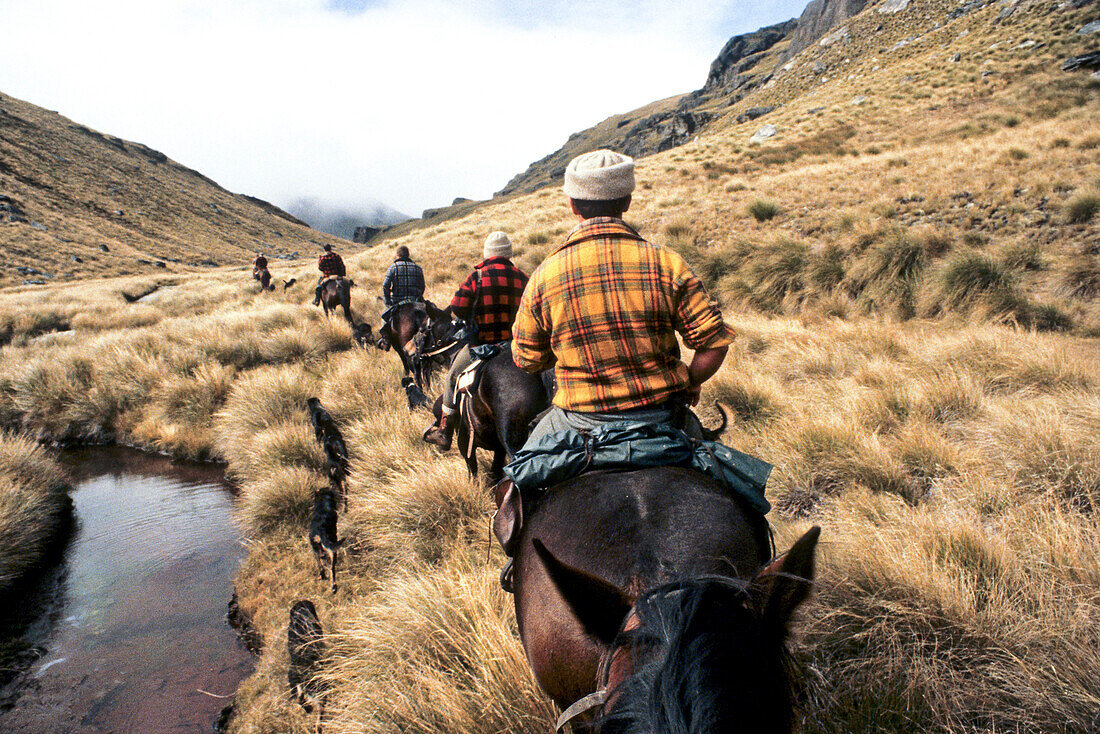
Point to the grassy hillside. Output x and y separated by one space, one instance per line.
911 266
92 204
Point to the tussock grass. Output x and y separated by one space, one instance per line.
763 210
442 655
1081 208
33 505
976 281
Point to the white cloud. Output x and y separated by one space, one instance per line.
410 103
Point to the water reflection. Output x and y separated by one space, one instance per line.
136 630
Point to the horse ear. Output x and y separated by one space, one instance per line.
786 582
600 607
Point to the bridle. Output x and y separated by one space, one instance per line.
598 699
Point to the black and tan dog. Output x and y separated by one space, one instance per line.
306 647
416 396
322 534
336 465
323 424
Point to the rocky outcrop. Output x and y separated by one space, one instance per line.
819 17
363 235
740 55
744 64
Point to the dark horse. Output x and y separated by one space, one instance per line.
653 586
264 276
406 323
498 415
337 292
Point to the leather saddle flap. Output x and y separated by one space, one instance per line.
509 516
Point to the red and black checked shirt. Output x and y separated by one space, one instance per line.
604 309
498 286
331 264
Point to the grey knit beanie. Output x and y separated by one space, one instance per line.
497 244
602 175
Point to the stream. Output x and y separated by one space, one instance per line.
127 633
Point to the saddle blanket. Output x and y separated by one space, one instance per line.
420 306
626 445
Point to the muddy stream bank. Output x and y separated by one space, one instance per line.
127 632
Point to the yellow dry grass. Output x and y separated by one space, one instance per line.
927 385
33 505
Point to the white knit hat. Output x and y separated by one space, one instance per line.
497 244
602 175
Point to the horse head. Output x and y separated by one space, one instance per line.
701 654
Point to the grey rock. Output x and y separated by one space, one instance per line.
967 7
1091 60
735 58
76 259
753 113
956 58
893 6
764 133
1093 27
817 67
819 17
104 248
363 235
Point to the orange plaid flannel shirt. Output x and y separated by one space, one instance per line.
604 310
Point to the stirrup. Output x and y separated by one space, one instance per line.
508 577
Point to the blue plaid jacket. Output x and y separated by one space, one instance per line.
404 282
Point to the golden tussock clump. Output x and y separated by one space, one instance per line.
34 505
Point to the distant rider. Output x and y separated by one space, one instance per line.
489 298
404 280
260 271
329 264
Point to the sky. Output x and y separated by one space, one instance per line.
410 103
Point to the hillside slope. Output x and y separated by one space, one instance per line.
824 41
75 202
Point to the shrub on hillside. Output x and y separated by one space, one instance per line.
1081 208
1082 277
1022 255
973 279
763 210
776 272
885 277
826 267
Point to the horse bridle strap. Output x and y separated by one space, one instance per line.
440 350
578 707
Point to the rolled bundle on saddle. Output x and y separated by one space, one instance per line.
627 445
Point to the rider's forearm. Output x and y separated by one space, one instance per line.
705 363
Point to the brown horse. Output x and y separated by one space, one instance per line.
407 322
336 292
652 586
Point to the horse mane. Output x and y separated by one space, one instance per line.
704 661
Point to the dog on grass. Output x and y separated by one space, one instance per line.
322 534
306 646
416 396
323 424
336 465
364 335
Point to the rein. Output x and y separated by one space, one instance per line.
440 350
580 706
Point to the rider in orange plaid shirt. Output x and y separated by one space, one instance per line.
604 310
